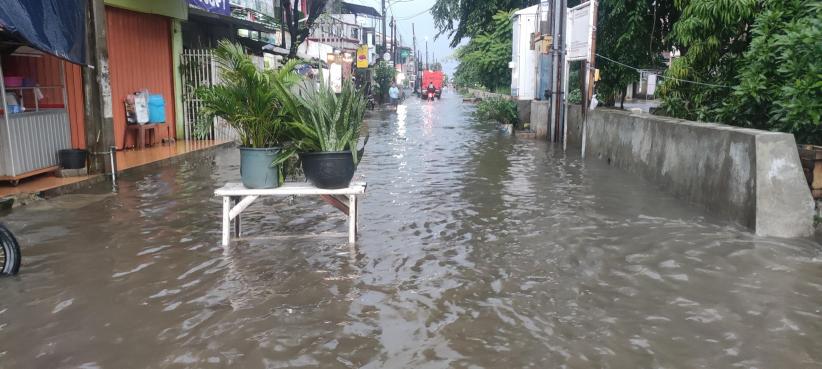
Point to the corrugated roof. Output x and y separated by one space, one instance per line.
350 8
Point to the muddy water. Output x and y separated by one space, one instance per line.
476 251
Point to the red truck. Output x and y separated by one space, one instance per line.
435 77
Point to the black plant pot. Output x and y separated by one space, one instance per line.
328 170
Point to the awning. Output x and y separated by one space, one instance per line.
208 17
56 27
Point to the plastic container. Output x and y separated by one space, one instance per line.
72 158
141 106
156 109
13 81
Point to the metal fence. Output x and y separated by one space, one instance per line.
198 69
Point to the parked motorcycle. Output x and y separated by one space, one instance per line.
9 252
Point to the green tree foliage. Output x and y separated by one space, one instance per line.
633 32
436 66
484 60
384 74
780 80
766 55
459 19
712 36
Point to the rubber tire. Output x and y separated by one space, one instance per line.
11 248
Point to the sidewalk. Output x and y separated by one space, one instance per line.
126 160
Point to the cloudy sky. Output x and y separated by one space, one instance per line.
416 11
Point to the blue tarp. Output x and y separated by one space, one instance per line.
57 27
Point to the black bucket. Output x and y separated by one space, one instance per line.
329 170
72 158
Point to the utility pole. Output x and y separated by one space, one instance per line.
592 59
426 53
416 57
99 117
383 27
589 88
393 41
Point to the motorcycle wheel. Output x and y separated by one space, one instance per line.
9 252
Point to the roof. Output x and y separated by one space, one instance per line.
349 8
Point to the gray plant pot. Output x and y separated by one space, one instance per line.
256 169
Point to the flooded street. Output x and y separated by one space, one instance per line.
476 251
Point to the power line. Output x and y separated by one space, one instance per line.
664 77
416 15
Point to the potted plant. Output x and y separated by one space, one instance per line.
326 133
251 101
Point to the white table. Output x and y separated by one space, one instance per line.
237 198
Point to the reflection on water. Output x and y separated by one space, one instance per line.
476 251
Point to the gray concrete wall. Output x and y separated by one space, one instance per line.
748 176
539 118
524 111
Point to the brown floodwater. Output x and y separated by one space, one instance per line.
476 251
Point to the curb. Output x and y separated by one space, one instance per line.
22 199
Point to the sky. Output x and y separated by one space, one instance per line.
402 10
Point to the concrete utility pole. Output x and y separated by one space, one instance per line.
416 57
593 57
393 41
426 53
383 27
99 117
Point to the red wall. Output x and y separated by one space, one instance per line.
139 51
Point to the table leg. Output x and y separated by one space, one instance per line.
226 219
237 226
352 218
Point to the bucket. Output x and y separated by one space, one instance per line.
72 158
256 170
156 109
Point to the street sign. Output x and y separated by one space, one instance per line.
580 24
362 57
386 56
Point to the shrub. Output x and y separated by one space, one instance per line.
500 110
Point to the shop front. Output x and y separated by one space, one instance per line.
140 41
40 88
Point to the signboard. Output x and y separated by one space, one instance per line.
212 6
362 57
580 24
335 77
260 6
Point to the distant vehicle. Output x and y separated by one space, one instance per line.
432 77
9 252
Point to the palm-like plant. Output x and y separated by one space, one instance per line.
327 121
257 103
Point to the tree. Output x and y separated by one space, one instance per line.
459 19
484 60
780 79
759 63
634 33
436 66
298 25
712 35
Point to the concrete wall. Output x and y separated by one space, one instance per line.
540 110
748 176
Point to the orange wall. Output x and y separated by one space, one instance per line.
45 71
139 51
